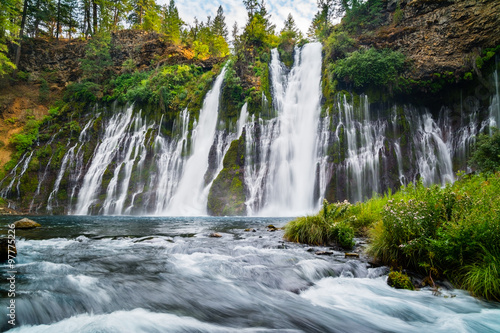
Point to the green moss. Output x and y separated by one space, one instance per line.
227 194
399 280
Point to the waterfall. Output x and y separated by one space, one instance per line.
494 109
103 155
191 195
259 137
170 158
24 161
44 175
242 120
364 140
432 152
135 143
324 167
289 188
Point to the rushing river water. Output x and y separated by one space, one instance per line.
151 274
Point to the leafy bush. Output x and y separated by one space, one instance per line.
376 67
24 140
486 156
452 232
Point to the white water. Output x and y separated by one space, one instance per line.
143 274
191 195
365 142
495 104
103 155
289 188
170 158
135 149
432 152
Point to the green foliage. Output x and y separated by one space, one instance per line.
44 90
331 225
6 65
97 58
24 140
172 23
362 15
486 155
338 45
375 67
452 232
398 15
399 280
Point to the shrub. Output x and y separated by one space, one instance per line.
486 156
376 67
452 232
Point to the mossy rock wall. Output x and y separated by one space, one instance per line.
227 194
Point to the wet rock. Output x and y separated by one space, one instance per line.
310 249
271 228
26 223
215 235
323 253
351 255
4 249
250 229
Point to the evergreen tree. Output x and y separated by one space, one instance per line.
219 24
172 23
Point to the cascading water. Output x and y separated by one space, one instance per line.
432 152
289 187
365 141
191 195
103 155
170 158
295 155
495 104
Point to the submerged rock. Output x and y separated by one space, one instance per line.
4 249
26 223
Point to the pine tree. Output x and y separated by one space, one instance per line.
172 23
219 26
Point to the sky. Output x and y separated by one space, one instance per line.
234 10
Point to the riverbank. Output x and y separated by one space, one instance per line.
441 233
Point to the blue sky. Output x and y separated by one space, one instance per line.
234 10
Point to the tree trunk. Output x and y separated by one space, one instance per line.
94 7
21 35
58 26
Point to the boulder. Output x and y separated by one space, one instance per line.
215 234
26 223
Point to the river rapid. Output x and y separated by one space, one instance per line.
166 274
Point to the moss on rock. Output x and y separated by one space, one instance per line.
227 194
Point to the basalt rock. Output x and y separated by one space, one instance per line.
439 36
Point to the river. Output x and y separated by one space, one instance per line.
166 274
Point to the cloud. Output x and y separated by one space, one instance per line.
234 10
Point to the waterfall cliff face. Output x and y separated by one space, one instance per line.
280 162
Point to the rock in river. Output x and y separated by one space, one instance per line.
26 223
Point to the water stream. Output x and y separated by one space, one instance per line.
125 274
